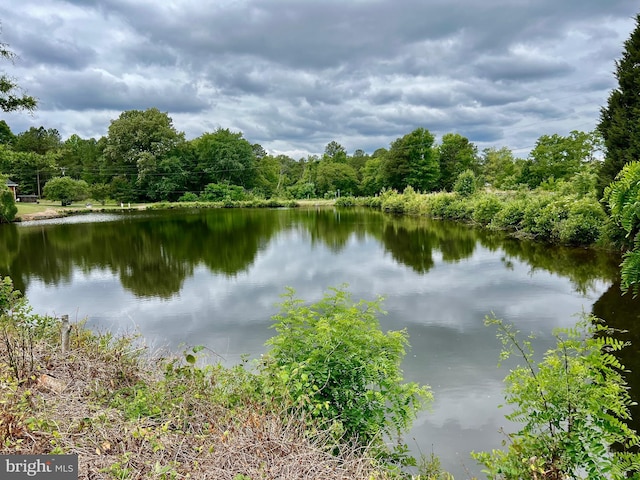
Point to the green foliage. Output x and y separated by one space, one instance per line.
429 468
331 360
573 406
226 157
623 197
498 167
411 160
372 179
347 201
559 157
37 140
511 215
332 177
302 190
122 189
219 192
100 192
20 330
540 216
392 202
620 118
485 207
466 184
456 154
582 184
459 209
188 197
11 97
583 224
437 203
8 208
66 190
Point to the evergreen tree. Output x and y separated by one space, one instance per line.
620 119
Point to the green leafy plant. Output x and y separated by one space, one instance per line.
20 329
8 208
485 207
573 406
331 360
466 184
623 197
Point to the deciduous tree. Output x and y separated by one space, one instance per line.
137 141
12 97
225 156
498 165
411 161
455 155
66 190
559 157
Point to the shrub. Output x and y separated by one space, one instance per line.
331 360
485 207
511 215
374 202
8 207
216 192
466 184
20 330
345 202
437 203
582 184
573 406
543 216
583 224
66 190
458 209
188 197
393 202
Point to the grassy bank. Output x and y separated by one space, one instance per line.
46 209
559 217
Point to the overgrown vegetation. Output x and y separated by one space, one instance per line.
623 197
332 361
559 213
574 405
129 414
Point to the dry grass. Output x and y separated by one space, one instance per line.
69 406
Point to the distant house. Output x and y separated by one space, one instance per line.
13 186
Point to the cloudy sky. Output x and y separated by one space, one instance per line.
293 75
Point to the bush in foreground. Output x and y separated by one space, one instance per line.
129 415
573 406
332 361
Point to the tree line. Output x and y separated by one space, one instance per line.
144 158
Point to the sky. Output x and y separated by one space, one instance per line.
294 75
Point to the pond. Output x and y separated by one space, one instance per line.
214 278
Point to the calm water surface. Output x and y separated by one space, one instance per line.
214 277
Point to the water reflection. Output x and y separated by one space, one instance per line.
153 253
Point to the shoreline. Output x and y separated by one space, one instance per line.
60 212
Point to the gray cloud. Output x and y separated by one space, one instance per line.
294 75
